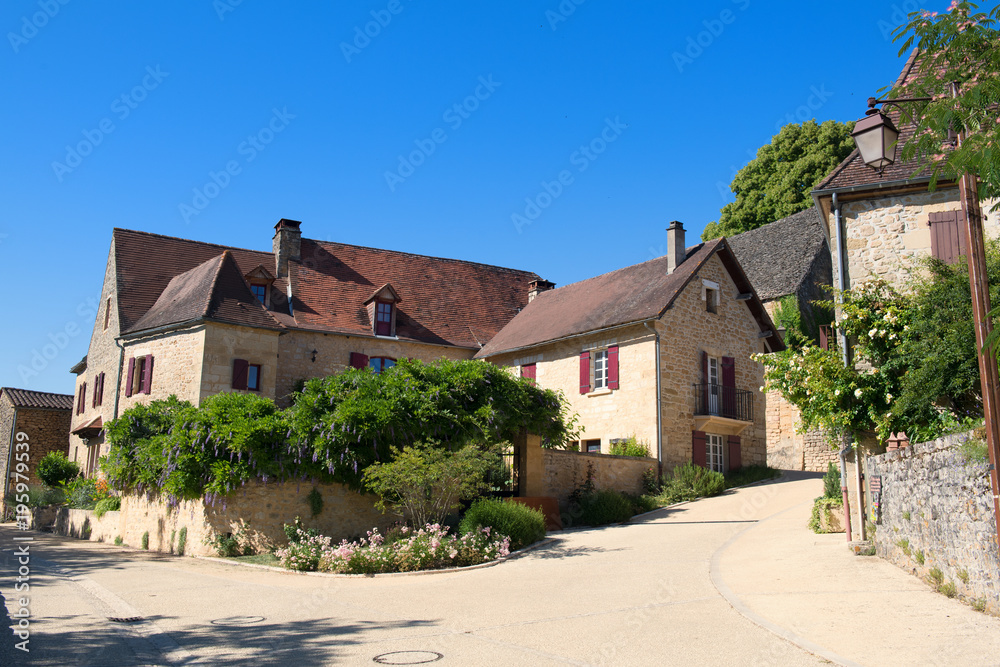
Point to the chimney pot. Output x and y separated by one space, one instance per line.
676 250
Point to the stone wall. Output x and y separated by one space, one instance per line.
935 503
224 343
564 472
264 508
47 431
787 449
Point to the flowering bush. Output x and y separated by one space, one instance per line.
428 548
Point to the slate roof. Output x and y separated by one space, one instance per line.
778 257
630 295
852 172
26 398
165 280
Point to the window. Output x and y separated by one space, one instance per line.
246 375
140 375
714 452
107 313
592 446
81 400
98 390
710 294
600 373
379 364
383 318
599 369
259 292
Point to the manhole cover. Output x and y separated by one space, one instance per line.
238 620
126 619
407 657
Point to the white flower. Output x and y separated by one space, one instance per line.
762 388
857 393
888 397
871 334
836 393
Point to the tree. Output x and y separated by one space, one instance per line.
960 46
777 182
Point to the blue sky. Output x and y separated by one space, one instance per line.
402 124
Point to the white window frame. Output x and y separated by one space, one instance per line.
599 378
715 452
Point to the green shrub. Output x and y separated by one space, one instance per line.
38 496
55 469
104 505
144 543
83 493
831 482
963 575
821 506
979 604
295 531
973 451
522 524
651 481
936 576
690 481
919 556
182 538
605 506
749 475
642 504
119 541
315 500
230 545
948 589
906 516
630 446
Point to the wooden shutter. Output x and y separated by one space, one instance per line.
728 385
735 456
147 378
584 372
131 375
359 360
97 388
947 236
241 371
100 401
82 407
824 337
699 448
705 380
529 371
613 367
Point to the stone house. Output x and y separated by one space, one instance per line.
660 350
195 319
791 258
32 424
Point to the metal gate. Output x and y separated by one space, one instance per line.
504 479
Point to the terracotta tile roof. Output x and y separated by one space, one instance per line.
633 294
26 398
779 256
852 172
446 301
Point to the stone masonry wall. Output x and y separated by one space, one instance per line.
787 449
942 507
687 330
565 471
224 343
264 508
47 431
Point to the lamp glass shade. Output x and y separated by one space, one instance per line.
876 138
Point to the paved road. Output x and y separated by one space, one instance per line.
733 580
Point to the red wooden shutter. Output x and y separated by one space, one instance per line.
584 372
131 374
699 448
241 370
705 387
824 337
529 371
613 367
729 385
97 388
147 378
100 401
359 360
83 398
735 456
947 236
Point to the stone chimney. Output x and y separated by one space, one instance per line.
676 250
287 244
536 287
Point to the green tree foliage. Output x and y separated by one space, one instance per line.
777 182
337 427
424 483
55 469
961 45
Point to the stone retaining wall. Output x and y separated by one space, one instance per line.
565 471
787 449
936 504
264 509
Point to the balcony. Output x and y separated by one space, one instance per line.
723 410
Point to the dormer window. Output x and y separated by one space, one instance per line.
259 291
260 281
382 307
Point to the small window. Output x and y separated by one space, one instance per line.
713 452
107 314
592 446
383 318
712 300
140 375
600 369
259 292
253 377
379 364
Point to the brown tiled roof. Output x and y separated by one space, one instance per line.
852 172
632 294
163 279
26 398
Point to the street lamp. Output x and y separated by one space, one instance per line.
876 138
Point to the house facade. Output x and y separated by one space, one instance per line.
659 350
32 424
195 319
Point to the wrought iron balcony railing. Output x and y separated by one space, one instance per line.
720 401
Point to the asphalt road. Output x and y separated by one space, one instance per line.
732 580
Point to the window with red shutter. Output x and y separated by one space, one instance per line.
584 372
947 235
241 371
147 376
529 371
613 367
83 398
130 377
383 318
359 360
